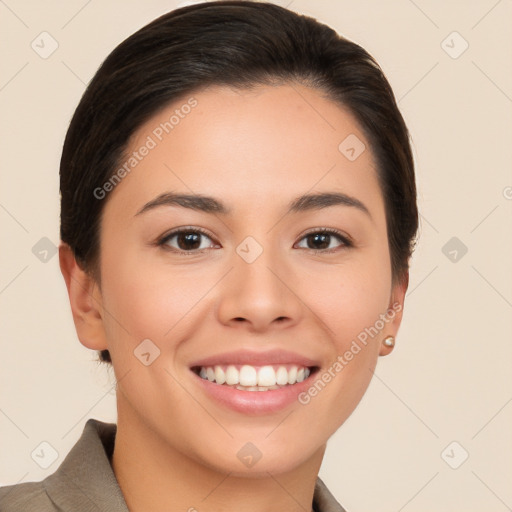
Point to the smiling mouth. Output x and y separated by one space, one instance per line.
255 378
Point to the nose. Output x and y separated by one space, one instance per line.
260 295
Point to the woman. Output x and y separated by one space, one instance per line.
237 216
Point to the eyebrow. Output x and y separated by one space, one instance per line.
209 204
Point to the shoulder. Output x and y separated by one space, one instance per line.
25 497
84 479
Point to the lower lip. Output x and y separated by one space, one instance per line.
255 402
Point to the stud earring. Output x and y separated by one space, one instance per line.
389 341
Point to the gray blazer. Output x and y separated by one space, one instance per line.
85 481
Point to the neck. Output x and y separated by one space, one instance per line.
156 476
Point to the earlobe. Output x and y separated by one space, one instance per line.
394 314
85 300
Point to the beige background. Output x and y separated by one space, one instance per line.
449 378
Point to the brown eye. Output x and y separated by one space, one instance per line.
322 240
186 240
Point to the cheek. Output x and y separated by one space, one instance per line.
350 301
338 388
349 298
148 301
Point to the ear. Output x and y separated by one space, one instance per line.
394 312
85 300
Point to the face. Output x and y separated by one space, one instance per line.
250 276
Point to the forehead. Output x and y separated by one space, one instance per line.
270 143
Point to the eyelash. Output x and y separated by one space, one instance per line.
163 241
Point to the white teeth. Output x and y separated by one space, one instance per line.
281 376
266 376
256 388
292 375
231 376
220 376
250 378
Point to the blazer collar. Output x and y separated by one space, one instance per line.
85 480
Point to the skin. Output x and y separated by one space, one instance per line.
255 151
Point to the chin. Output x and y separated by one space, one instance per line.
249 462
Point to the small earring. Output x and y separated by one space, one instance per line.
388 341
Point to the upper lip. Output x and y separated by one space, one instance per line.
253 358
